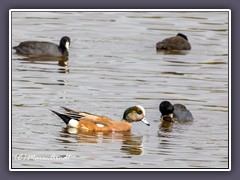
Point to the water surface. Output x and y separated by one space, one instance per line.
113 65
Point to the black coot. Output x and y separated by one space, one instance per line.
37 48
179 42
178 112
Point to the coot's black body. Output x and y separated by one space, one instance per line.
36 48
179 112
179 42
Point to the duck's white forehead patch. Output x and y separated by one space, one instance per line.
67 45
100 125
73 123
143 110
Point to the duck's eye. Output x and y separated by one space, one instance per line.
139 111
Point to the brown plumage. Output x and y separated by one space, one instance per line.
91 122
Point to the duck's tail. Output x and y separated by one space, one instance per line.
64 117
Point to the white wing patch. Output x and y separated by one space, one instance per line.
100 125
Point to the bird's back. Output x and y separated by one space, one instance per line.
38 48
182 114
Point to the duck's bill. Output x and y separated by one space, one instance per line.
145 121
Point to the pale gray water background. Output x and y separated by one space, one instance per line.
113 65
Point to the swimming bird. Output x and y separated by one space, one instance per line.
176 112
42 48
179 42
91 122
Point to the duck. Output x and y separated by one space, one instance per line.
177 112
85 121
178 42
43 48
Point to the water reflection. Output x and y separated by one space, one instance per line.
166 126
173 73
64 70
172 52
131 144
62 60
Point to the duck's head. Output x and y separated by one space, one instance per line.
135 114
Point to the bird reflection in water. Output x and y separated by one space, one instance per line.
166 123
62 61
131 144
173 52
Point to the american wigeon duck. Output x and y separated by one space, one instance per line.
39 48
176 112
179 42
91 122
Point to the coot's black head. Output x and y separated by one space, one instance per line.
64 42
183 36
166 108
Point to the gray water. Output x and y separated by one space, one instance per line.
113 65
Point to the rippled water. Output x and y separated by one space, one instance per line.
113 65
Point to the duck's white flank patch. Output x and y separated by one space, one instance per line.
143 110
72 130
67 45
73 123
100 125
